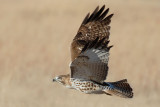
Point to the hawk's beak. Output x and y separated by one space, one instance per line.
54 80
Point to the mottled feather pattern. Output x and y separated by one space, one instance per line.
86 86
99 49
93 26
120 88
92 63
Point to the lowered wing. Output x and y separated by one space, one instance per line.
92 63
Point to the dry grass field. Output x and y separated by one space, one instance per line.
35 36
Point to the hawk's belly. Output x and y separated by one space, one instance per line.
86 86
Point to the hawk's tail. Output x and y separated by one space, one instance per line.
119 88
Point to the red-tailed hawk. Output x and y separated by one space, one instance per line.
90 56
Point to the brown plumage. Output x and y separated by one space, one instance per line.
93 26
93 60
121 88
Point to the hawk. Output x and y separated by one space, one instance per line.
90 56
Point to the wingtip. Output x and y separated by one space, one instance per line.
103 6
86 18
111 15
109 47
97 14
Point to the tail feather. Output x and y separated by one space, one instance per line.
120 88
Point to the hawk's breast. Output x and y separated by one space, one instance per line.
86 86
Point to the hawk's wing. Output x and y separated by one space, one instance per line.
93 26
92 63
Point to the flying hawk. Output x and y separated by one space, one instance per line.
90 56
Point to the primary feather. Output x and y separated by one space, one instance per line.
93 26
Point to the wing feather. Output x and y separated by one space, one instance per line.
93 26
92 63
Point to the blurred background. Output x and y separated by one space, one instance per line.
35 36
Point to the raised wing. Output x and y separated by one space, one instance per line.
92 63
93 26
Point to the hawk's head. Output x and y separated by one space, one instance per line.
59 79
63 79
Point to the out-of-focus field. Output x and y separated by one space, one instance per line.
35 36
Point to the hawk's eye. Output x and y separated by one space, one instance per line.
57 79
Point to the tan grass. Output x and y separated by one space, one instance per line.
35 36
